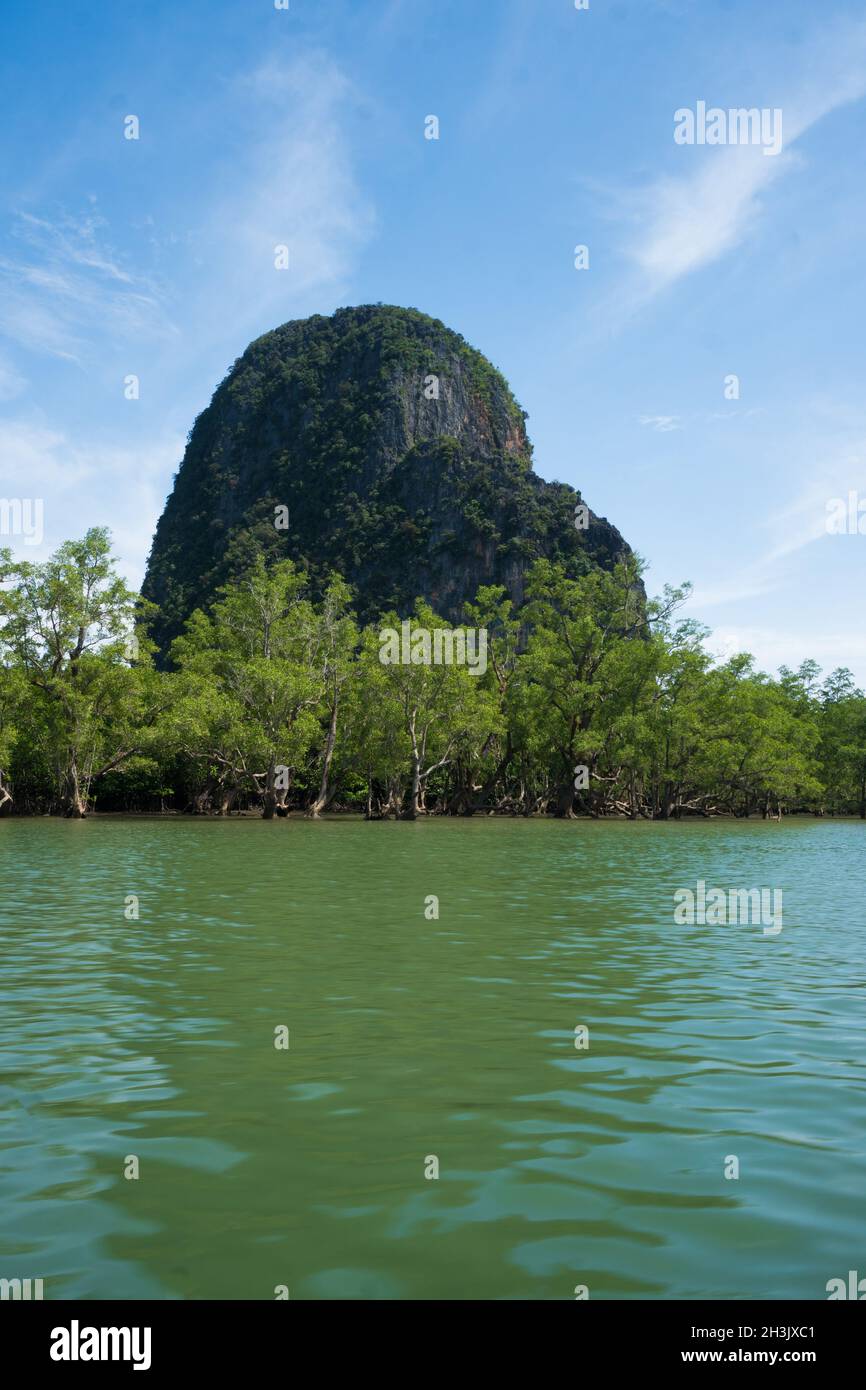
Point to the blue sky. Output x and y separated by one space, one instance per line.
305 127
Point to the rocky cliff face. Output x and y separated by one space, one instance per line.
402 459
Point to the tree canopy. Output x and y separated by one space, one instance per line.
591 701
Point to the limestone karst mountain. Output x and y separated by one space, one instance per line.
400 455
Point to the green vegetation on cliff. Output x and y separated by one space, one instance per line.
400 457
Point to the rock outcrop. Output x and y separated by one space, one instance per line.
401 456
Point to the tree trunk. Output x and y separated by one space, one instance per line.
201 802
75 800
565 802
269 797
480 801
413 810
325 793
394 805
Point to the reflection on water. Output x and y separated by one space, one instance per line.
408 1038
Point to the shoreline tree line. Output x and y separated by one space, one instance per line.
595 702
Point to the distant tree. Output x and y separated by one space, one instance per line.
68 627
251 684
431 711
334 657
576 628
843 742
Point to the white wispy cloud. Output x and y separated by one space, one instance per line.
285 176
63 290
799 522
12 383
287 180
662 424
68 474
804 519
690 220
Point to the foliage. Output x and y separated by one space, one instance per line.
280 701
88 697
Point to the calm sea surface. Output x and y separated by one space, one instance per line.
411 1038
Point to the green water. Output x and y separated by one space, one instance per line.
411 1037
